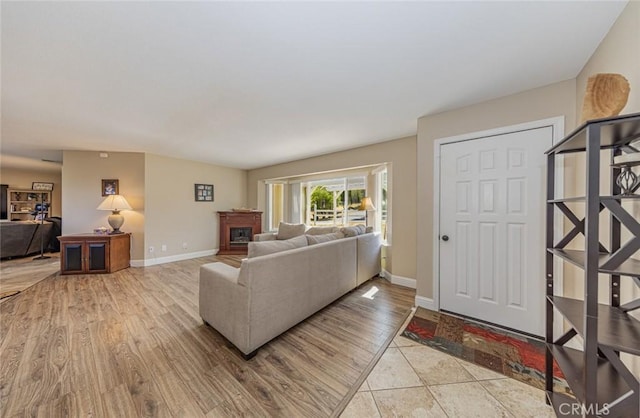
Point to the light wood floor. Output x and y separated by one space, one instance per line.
18 274
132 344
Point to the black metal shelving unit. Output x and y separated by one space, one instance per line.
600 381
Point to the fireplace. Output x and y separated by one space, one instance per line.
237 229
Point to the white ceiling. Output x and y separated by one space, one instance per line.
253 84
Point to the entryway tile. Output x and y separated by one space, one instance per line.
434 367
520 399
364 387
463 400
401 341
410 402
393 371
362 405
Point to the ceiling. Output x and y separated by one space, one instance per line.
253 84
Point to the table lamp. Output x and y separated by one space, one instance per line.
366 205
115 203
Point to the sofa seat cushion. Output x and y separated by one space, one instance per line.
288 231
259 248
317 239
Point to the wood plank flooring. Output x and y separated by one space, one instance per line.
132 344
19 273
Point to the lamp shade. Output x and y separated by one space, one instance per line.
365 204
114 203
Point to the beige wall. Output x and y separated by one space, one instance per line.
82 172
401 153
161 192
173 217
554 100
619 52
21 179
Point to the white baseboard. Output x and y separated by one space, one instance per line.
170 259
399 280
426 303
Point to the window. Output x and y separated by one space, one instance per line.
356 191
335 201
322 200
381 202
275 205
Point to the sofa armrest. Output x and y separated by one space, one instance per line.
223 302
267 236
369 256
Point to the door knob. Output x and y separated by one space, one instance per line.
445 237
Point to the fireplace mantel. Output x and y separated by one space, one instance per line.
237 228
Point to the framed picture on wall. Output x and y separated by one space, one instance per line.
110 187
204 192
41 186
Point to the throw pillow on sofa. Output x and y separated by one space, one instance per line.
317 239
322 230
352 231
288 231
258 248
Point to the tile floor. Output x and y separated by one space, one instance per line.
413 380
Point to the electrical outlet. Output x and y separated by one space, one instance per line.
151 249
184 245
164 247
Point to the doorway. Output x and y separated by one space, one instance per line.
491 226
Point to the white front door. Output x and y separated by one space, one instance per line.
492 228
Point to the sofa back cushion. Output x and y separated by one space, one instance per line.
258 248
317 239
288 231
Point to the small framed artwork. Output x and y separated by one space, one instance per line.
110 187
204 192
41 186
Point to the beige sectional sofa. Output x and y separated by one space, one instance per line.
271 293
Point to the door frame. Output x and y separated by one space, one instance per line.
557 127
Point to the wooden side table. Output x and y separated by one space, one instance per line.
94 253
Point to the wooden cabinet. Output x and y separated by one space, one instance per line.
93 253
602 383
21 203
237 229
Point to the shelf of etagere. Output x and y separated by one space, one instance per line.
581 199
612 388
614 131
616 329
629 267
